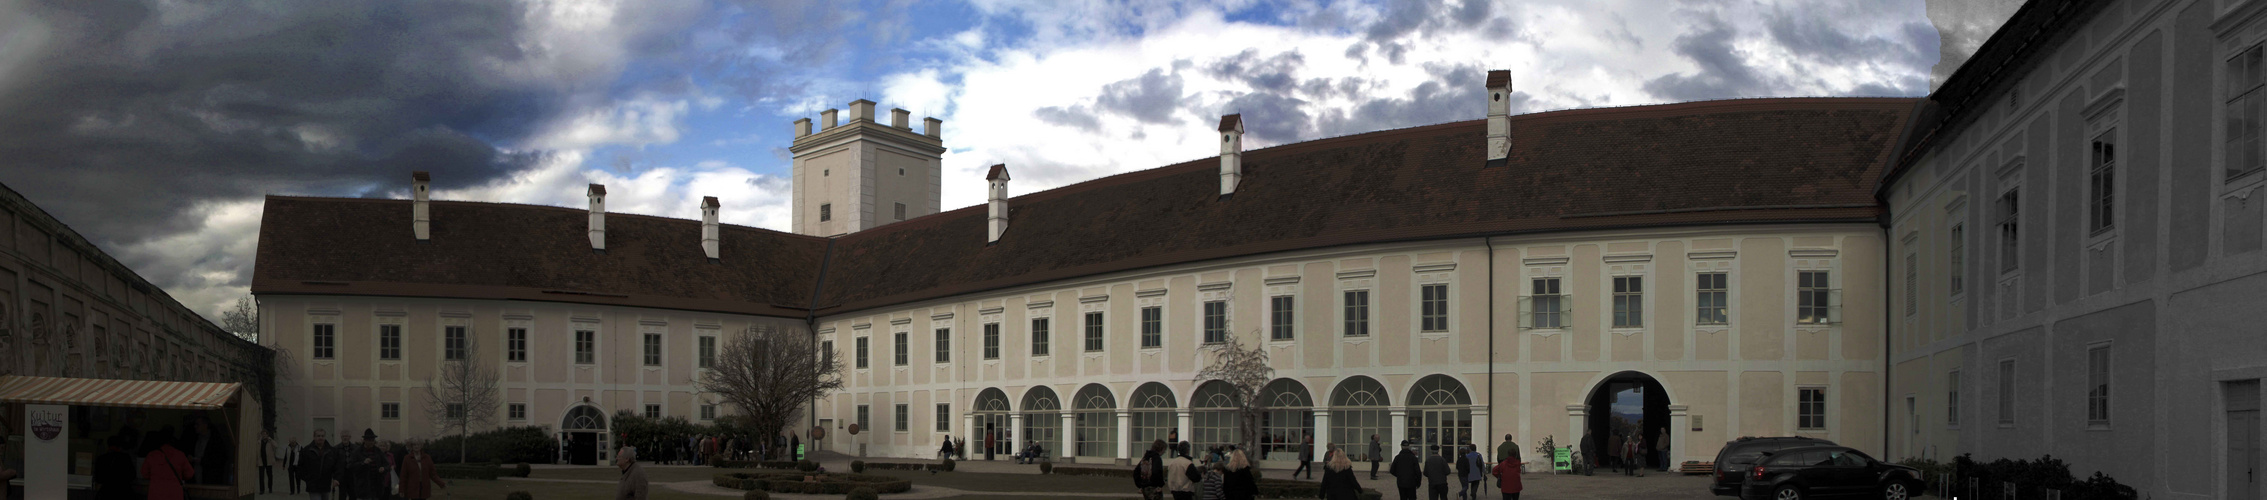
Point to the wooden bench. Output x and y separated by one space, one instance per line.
1699 468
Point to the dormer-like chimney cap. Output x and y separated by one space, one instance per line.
1232 122
598 189
421 176
708 202
1499 78
999 173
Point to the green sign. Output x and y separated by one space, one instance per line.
1560 462
798 452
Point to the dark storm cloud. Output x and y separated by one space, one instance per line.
1454 94
1963 25
1275 73
1723 73
1271 118
1078 117
1151 97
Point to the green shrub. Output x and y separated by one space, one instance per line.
506 445
858 466
522 470
807 465
1046 467
756 495
862 493
948 465
824 484
482 471
2030 475
519 495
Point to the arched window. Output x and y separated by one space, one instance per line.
1042 420
583 417
991 411
1152 411
1097 431
1440 412
1288 422
1213 415
1357 412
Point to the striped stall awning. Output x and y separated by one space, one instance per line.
119 393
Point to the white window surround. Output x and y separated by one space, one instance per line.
1089 305
863 332
645 329
1443 273
1213 292
695 355
1725 262
1281 286
527 324
1628 266
1524 285
1348 281
378 322
1826 260
1031 333
953 344
1145 299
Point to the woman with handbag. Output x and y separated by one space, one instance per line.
417 475
167 468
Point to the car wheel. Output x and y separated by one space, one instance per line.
1896 490
1787 493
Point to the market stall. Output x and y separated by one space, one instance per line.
60 425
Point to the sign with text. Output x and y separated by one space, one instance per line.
47 451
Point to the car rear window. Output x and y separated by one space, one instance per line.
1799 458
1745 457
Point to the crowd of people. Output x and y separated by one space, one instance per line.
169 459
1226 473
700 449
368 470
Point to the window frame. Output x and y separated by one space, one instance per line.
515 344
943 339
1215 322
991 341
1554 289
515 411
865 422
586 346
902 348
2008 212
389 410
1355 314
1957 265
1042 335
705 352
1096 327
389 343
901 419
2098 378
2101 182
1433 311
2243 86
708 412
1952 399
1282 317
1152 327
826 212
863 346
1720 314
650 347
1814 297
1811 412
653 410
944 417
456 342
2007 406
323 337
1628 301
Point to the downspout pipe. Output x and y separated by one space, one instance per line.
811 325
1491 244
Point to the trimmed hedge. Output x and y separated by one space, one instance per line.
1286 488
855 467
522 470
480 471
1046 467
1126 472
2031 475
826 484
755 464
506 445
756 495
858 466
862 493
522 495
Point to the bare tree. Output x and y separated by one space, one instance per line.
242 320
463 394
1246 371
770 373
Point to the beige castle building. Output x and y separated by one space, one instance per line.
1688 273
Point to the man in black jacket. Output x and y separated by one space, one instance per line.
1436 473
317 466
114 471
1376 453
1406 475
1149 472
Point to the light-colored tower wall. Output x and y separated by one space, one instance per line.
861 169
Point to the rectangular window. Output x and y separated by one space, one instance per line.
1912 284
2244 108
862 421
515 344
904 348
1093 332
2010 230
826 212
389 411
1435 308
389 342
944 417
901 211
586 347
2007 392
1952 399
991 341
1216 322
652 411
861 359
1712 292
2101 184
1546 305
1959 258
326 341
708 352
453 410
944 345
1357 313
1152 326
708 412
1039 336
2098 385
899 414
517 411
826 353
1280 317
1812 298
1811 409
1629 301
452 343
653 349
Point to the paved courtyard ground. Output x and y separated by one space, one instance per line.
977 479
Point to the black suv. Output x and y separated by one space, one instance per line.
1733 461
1827 472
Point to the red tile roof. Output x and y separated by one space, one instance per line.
1715 162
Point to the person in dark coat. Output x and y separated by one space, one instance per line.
1377 453
369 469
1240 482
114 471
317 467
1406 473
1306 457
1436 473
1152 487
1462 464
1338 478
1590 457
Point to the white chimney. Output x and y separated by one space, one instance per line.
597 195
862 110
1499 117
826 119
420 215
802 127
900 119
708 226
932 126
999 201
1231 153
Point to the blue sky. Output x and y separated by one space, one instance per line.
154 128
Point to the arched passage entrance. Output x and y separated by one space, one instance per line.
1289 420
1153 408
1358 411
1213 415
1043 421
1440 413
584 427
1097 422
1624 405
991 416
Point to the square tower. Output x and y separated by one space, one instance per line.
860 173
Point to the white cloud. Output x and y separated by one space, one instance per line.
747 198
208 269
